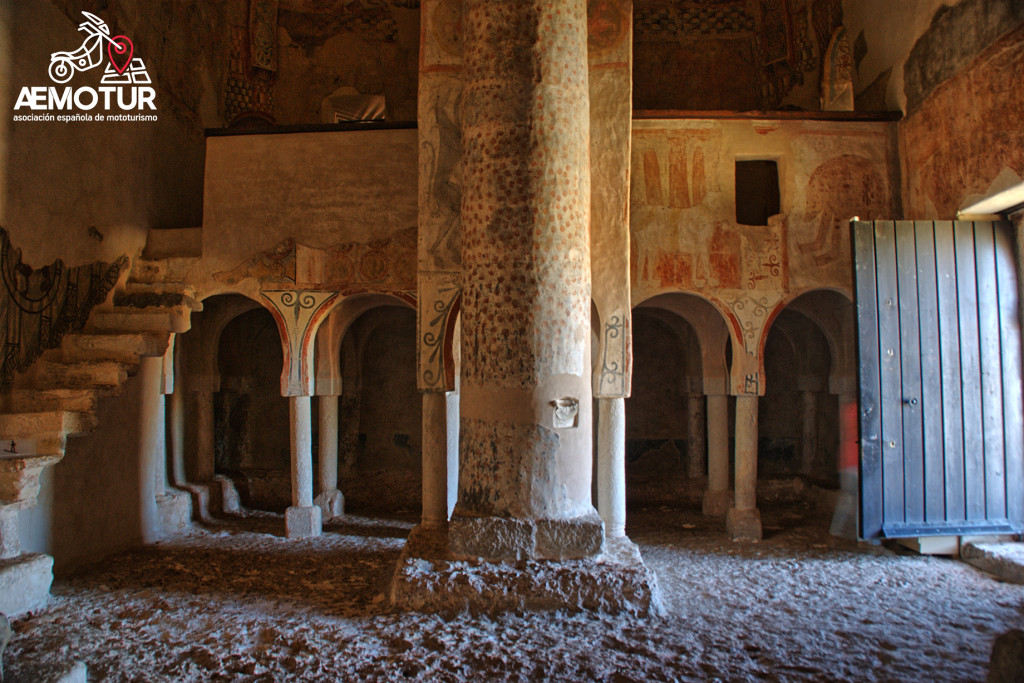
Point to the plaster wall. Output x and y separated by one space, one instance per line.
966 140
683 227
889 30
315 189
90 502
86 191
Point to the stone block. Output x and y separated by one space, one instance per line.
1003 560
565 539
331 503
492 538
227 494
25 583
717 503
303 522
744 525
175 508
429 579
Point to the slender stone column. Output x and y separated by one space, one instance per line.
809 440
525 438
152 462
611 465
204 436
176 435
844 519
435 460
329 498
302 519
10 537
718 497
744 520
695 452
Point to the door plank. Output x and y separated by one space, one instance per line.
1013 405
890 373
970 370
910 373
931 377
991 371
869 422
949 343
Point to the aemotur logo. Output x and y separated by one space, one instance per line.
124 86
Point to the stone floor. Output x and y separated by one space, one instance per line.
239 603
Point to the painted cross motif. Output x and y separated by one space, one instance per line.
298 314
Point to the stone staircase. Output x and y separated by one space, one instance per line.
56 398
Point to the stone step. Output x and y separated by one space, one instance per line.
175 320
118 347
133 288
43 400
45 425
104 376
143 297
170 269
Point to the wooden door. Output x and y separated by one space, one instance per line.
939 350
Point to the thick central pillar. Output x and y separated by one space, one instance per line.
526 439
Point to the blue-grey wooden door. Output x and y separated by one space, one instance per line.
941 439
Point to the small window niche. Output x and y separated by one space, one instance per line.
757 191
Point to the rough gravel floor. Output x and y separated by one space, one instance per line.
239 603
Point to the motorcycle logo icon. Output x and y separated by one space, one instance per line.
123 67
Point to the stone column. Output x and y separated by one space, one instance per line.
744 520
435 460
329 499
176 435
10 536
152 461
717 497
611 465
525 437
809 439
695 452
302 519
844 519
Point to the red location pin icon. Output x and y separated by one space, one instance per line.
120 50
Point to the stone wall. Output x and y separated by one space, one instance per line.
87 191
965 140
685 237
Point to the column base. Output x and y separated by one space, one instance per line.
214 497
175 509
501 539
303 522
331 503
717 503
429 578
227 495
25 583
744 525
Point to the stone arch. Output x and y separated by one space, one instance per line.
380 416
801 405
669 466
252 426
715 334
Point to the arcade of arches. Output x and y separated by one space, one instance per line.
571 328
